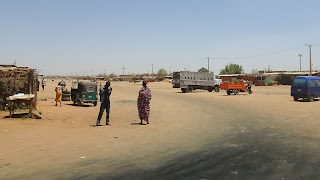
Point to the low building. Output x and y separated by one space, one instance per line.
235 77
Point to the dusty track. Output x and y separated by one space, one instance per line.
200 135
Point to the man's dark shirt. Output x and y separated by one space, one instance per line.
105 95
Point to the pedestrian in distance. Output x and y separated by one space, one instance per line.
143 102
105 93
43 83
58 94
63 84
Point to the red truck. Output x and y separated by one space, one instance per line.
236 87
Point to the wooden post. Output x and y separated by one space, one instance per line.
30 108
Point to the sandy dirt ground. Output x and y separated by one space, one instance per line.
199 135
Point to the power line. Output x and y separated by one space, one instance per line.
261 55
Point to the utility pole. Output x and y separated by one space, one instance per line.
300 60
310 59
123 70
208 64
152 70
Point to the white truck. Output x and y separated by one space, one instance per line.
189 81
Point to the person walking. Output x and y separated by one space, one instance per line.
63 84
105 102
43 83
143 102
58 93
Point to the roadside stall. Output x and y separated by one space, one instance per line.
18 88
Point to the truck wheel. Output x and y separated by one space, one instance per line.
190 89
216 89
229 92
310 98
184 90
79 103
295 98
95 103
235 92
210 89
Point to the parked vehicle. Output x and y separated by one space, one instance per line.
84 92
66 95
307 87
189 81
236 87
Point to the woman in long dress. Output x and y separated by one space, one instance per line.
144 102
58 94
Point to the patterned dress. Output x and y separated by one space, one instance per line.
144 103
58 93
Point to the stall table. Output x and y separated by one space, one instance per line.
20 98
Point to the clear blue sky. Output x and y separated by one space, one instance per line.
63 37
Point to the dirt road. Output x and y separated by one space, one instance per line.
198 135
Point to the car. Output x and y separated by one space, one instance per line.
307 87
84 92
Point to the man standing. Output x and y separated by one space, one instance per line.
105 102
43 83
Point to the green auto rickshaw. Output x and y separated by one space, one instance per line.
84 92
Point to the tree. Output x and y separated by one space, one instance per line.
232 69
101 75
112 75
162 73
203 70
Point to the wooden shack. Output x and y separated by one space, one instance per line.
14 80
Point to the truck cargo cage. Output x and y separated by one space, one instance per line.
189 81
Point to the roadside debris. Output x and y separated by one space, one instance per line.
235 172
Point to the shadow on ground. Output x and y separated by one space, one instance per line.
82 105
137 124
305 100
248 156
